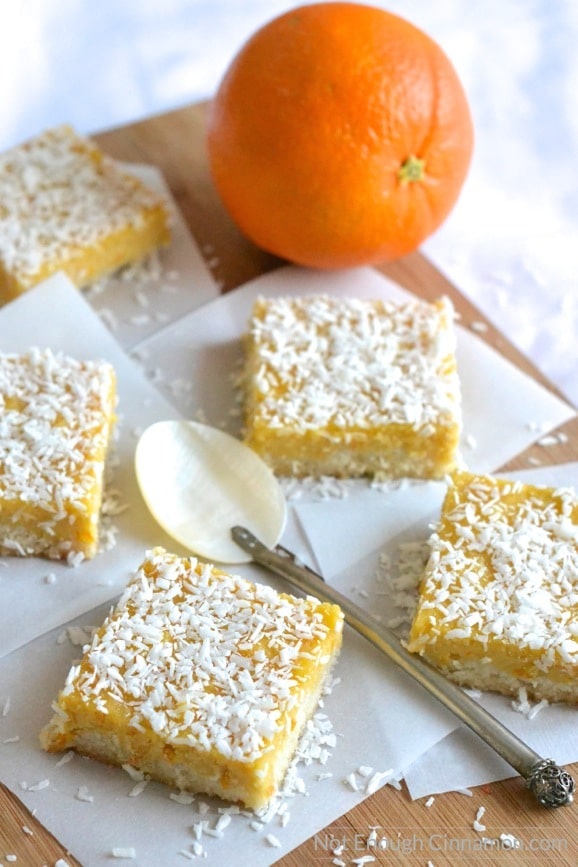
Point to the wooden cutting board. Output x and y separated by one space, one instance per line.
174 142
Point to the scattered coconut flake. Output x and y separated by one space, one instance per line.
522 705
109 318
112 505
38 787
184 798
535 710
74 559
64 759
79 636
371 838
429 801
139 319
12 740
28 830
213 832
478 326
477 824
124 852
50 578
138 789
199 828
379 779
141 298
467 792
6 706
323 488
274 841
223 822
548 441
133 773
62 863
82 794
351 781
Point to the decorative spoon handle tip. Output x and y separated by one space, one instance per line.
551 786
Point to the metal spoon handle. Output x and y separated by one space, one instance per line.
551 785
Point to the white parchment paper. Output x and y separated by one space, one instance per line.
193 362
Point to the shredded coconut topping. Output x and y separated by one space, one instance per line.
508 568
203 658
353 363
58 192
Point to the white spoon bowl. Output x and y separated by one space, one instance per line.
198 482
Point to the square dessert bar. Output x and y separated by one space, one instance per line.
349 387
199 679
56 418
498 606
65 206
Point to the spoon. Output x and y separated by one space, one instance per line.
198 481
217 498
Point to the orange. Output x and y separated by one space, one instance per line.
340 135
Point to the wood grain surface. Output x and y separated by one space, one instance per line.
174 142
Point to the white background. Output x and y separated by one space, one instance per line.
511 244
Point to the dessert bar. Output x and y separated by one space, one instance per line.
498 607
350 387
56 420
199 679
66 206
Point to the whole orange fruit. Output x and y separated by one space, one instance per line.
340 135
